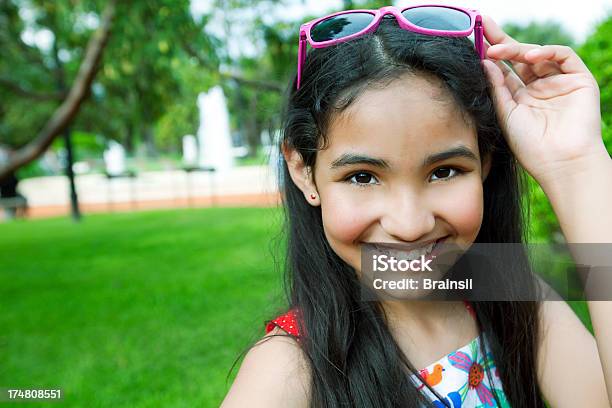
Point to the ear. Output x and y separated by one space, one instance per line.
486 166
301 175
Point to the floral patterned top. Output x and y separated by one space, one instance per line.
458 377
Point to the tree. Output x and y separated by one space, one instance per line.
157 61
138 78
64 114
597 54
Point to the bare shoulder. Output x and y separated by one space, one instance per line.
569 367
273 373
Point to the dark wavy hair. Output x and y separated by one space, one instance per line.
353 358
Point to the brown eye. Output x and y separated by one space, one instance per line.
362 179
446 173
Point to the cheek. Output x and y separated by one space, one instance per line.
344 219
466 212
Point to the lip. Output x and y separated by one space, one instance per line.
435 251
418 245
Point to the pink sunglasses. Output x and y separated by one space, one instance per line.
429 19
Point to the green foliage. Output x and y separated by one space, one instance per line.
548 32
542 223
38 72
32 169
147 71
597 54
145 68
179 120
364 4
88 144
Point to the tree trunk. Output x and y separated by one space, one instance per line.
61 86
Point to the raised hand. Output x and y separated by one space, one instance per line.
548 109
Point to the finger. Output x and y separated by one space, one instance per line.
567 60
517 52
502 96
495 35
557 85
525 72
545 69
566 57
511 79
540 66
512 52
522 70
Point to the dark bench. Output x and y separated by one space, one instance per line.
129 174
14 206
211 171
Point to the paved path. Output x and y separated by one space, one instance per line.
240 186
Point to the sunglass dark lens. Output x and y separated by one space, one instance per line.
438 18
340 26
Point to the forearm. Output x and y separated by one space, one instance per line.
581 196
582 200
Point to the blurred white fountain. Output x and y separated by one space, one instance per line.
114 159
214 131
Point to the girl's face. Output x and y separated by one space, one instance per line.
401 166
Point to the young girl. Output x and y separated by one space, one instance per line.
407 137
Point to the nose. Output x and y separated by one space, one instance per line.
407 217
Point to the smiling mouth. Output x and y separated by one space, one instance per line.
408 251
408 246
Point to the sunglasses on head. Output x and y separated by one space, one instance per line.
438 20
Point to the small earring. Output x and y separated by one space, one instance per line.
313 196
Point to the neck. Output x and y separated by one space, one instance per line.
426 316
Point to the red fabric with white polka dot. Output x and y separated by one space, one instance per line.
288 321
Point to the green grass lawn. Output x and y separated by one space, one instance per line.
137 309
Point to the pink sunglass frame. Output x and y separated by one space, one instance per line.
475 26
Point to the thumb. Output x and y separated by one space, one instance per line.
502 97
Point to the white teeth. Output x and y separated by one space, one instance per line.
417 253
412 254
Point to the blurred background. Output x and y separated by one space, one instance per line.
139 212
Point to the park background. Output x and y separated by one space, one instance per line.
141 288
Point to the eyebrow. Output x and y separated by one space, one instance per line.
348 159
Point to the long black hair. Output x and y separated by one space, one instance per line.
354 360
